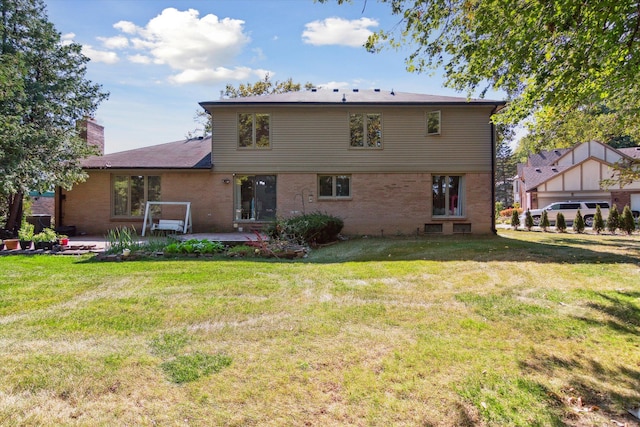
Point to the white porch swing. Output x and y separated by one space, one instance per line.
175 225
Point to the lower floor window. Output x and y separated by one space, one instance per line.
448 195
132 192
255 197
334 186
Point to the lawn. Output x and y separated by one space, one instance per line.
526 328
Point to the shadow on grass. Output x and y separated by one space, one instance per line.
606 389
589 390
549 248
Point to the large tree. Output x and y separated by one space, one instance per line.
44 97
505 168
550 57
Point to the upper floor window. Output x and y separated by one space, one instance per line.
433 123
334 186
366 130
130 193
448 195
253 130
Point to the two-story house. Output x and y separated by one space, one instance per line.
386 163
575 174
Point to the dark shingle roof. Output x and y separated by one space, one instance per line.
353 96
631 152
186 154
546 158
536 175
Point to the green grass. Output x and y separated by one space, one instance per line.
526 328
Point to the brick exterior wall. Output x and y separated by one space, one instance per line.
384 203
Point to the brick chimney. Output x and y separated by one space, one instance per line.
93 133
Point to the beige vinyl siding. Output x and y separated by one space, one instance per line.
317 139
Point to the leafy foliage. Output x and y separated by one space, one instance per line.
194 246
45 97
46 235
314 228
26 231
120 238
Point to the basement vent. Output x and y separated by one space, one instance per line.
462 228
433 228
336 90
376 90
356 90
314 89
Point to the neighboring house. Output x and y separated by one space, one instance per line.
574 174
386 163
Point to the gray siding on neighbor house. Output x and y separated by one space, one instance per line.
316 139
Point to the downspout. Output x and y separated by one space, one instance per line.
58 214
493 172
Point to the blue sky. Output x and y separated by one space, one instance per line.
159 58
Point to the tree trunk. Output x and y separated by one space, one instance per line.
15 212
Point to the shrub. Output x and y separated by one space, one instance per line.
506 213
627 222
544 221
314 228
598 221
613 221
194 246
578 223
241 251
528 220
499 207
515 219
561 224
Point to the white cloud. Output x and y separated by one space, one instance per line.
338 31
126 27
139 59
99 55
199 49
117 42
217 75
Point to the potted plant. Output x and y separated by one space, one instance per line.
45 239
25 235
11 244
